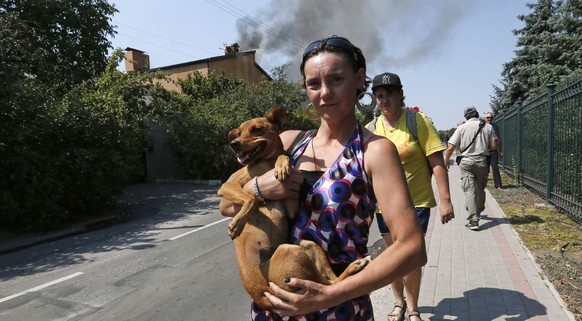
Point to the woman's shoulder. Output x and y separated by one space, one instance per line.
289 136
376 144
380 155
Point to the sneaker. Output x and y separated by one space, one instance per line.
473 226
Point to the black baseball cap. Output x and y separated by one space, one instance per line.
386 79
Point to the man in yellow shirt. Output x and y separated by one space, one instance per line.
420 155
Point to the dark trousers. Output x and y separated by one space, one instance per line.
494 161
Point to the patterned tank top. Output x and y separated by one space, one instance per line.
336 214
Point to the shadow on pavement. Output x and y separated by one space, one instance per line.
142 207
487 304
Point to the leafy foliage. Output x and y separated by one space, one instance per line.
68 38
549 48
75 130
444 135
73 127
65 158
205 87
217 105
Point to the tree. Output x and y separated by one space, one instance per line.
70 38
549 47
279 91
534 62
78 151
570 37
53 165
218 104
203 88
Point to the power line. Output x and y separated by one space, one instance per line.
158 45
226 7
162 37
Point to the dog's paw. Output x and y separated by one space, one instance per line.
235 227
282 168
358 265
281 174
363 262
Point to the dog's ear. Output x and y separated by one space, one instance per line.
279 117
233 134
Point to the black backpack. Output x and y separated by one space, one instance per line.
410 125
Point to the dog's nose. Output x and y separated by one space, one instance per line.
235 145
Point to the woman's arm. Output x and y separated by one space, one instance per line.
406 254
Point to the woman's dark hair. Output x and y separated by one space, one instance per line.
340 45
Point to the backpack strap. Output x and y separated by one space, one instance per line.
411 123
481 125
413 129
371 126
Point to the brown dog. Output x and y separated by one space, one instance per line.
260 229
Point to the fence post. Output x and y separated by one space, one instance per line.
550 142
503 145
518 170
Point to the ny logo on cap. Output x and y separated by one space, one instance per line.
386 79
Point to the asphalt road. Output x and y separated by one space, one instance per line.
170 259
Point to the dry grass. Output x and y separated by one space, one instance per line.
552 237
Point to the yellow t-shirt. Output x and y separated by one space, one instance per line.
413 154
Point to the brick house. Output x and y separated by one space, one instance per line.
233 63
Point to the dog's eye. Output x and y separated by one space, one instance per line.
256 130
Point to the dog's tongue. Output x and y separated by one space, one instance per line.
242 158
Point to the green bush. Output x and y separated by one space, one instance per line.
66 158
198 136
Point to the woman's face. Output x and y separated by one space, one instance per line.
331 84
388 99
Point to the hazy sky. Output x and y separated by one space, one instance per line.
448 53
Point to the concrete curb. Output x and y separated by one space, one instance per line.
210 182
29 240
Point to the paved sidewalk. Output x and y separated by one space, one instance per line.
478 276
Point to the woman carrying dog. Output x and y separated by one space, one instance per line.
338 167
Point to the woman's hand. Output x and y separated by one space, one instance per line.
309 297
273 189
269 187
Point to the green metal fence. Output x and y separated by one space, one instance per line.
542 145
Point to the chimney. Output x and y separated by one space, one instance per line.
136 60
231 49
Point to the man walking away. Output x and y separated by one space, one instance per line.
473 139
495 154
